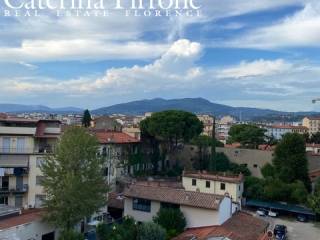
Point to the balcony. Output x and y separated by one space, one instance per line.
18 130
17 190
14 150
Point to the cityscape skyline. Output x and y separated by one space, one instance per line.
262 54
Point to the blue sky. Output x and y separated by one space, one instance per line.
257 53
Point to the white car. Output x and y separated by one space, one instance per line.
272 213
262 212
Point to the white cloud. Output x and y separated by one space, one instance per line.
256 68
300 30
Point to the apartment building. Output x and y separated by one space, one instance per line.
312 123
207 121
277 131
116 147
223 127
24 144
195 196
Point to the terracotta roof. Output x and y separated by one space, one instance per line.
114 137
27 216
241 226
313 117
287 127
214 177
173 195
115 200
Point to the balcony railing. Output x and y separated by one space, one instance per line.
14 150
22 189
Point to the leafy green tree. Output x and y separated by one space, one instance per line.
222 162
151 231
204 144
73 179
171 127
86 118
248 135
314 202
298 193
315 138
268 170
290 160
171 219
317 186
254 187
240 168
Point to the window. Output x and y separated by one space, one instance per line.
222 186
6 144
207 184
20 144
239 187
255 165
39 161
194 182
39 200
106 171
39 180
141 205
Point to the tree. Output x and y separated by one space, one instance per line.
314 202
151 231
70 235
171 127
171 219
248 135
290 160
315 138
73 179
268 170
86 118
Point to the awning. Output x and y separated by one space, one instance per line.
292 208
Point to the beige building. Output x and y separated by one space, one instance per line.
214 184
312 123
23 146
207 121
106 123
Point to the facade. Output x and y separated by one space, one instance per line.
116 148
207 121
214 184
107 123
134 132
23 146
312 123
223 127
277 131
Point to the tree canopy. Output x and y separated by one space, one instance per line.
86 118
73 179
172 126
290 161
248 135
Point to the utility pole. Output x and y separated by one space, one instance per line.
213 164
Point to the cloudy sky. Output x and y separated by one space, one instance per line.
257 53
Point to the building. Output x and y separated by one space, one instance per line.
116 147
223 127
253 159
199 204
207 122
313 148
23 146
277 131
25 225
214 184
312 123
241 226
106 123
133 132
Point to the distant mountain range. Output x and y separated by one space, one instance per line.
195 105
18 108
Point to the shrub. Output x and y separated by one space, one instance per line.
151 231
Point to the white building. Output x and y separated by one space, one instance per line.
200 206
277 131
223 127
312 123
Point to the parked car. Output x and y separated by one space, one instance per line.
272 213
262 212
302 218
280 232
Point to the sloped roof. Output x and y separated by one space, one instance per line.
241 226
173 195
214 177
114 137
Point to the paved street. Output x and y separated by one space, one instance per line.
297 230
